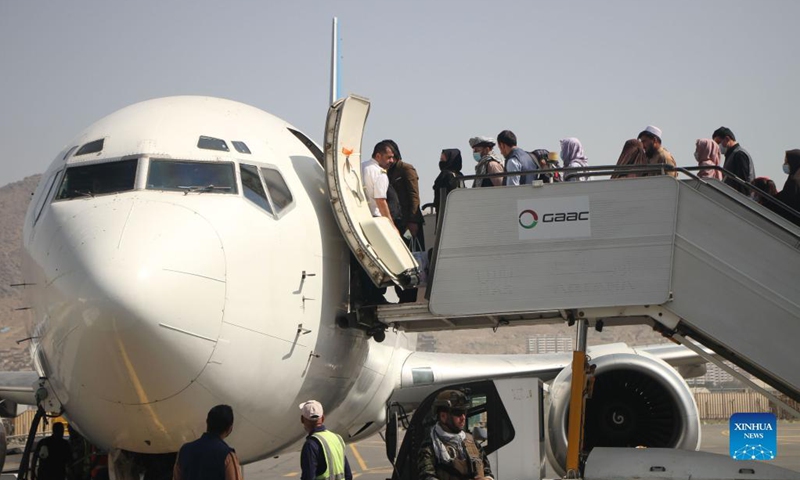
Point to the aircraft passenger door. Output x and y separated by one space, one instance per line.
373 240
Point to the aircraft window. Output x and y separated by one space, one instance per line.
211 143
186 176
98 179
91 147
45 193
240 147
311 146
252 187
278 190
69 152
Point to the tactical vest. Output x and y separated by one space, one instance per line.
333 449
462 467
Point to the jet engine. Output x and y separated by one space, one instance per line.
637 401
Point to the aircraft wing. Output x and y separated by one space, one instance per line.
424 372
18 387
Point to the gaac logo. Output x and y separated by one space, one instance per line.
528 219
753 436
552 218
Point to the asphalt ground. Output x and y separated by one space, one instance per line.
368 457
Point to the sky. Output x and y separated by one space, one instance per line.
436 72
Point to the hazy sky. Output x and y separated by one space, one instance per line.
436 72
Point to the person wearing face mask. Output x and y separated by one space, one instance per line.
737 160
706 152
448 452
487 162
790 195
655 153
450 171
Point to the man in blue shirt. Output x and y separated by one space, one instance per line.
323 455
517 159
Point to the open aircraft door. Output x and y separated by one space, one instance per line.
373 240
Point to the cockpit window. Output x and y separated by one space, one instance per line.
98 179
186 176
91 147
211 143
253 189
278 190
241 147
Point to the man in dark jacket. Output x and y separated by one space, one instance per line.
404 180
53 455
737 160
209 457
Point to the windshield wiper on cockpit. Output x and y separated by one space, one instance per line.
201 189
83 194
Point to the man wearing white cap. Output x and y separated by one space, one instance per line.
322 457
656 154
488 162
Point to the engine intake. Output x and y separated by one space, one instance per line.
638 401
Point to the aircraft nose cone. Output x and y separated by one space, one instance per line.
136 300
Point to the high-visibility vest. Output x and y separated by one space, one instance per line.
333 449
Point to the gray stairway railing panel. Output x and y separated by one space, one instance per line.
735 280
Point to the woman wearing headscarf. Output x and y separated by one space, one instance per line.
706 152
790 195
450 166
573 157
632 154
766 185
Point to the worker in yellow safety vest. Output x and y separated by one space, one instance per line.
323 455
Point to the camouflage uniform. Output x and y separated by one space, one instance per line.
469 461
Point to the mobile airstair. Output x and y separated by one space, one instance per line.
691 257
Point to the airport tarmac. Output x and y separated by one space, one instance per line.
368 457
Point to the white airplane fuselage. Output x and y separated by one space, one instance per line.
151 305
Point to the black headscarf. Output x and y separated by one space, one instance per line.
452 160
790 195
451 170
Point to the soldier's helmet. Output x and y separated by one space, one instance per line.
450 399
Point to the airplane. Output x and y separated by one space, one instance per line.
182 252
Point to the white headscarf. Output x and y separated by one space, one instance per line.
572 154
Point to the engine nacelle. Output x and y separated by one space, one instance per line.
638 400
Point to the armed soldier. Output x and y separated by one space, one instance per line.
450 453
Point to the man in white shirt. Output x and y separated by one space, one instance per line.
376 182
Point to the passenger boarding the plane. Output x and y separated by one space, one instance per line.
706 152
632 154
488 162
790 195
656 154
376 182
450 171
573 157
448 452
517 159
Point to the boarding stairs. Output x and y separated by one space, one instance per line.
691 257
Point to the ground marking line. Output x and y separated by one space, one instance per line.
361 462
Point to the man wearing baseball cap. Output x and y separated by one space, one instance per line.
322 457
655 153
